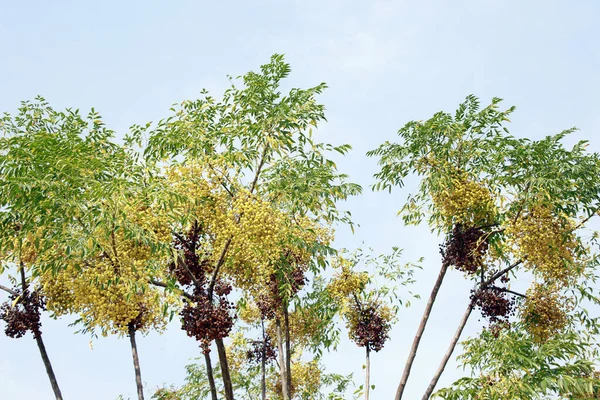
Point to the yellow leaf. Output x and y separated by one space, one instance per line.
14 303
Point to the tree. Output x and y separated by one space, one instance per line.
494 197
369 309
238 168
50 163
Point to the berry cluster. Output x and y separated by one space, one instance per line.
24 315
369 325
545 312
547 242
272 299
209 316
206 320
191 262
255 353
465 249
494 303
464 200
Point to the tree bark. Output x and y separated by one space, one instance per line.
48 365
211 377
367 373
419 334
224 369
288 351
263 364
136 363
40 343
449 352
282 369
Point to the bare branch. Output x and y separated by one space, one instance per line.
508 291
213 280
498 274
9 290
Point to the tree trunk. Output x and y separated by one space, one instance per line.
263 364
419 334
367 373
288 352
211 377
136 363
40 343
449 352
48 365
224 369
282 369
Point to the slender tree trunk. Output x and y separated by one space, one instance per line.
48 365
224 369
211 377
263 364
288 351
40 343
449 352
136 363
367 373
419 334
282 369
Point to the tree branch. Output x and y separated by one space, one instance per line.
498 274
259 169
223 183
213 280
587 219
508 291
9 290
164 285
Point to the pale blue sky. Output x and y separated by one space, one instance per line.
386 62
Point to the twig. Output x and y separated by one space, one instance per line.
508 291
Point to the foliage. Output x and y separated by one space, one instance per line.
512 365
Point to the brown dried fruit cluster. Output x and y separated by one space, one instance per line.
465 249
206 321
255 354
369 325
208 316
191 262
271 300
24 315
496 305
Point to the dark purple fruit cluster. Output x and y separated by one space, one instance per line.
368 328
207 316
24 315
465 249
258 348
495 304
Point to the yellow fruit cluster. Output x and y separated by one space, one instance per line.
346 282
464 201
303 327
109 291
260 234
546 243
306 377
249 313
544 312
237 351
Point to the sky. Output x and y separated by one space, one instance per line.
385 63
